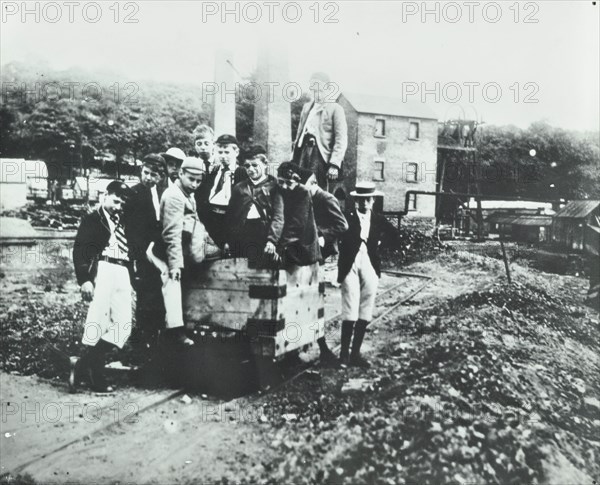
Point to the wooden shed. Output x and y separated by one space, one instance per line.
570 229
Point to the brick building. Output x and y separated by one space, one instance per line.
394 144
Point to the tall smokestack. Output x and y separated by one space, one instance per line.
272 113
223 114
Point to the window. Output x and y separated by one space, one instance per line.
380 127
412 202
378 170
411 172
413 130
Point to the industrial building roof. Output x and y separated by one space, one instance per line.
381 105
577 209
520 220
510 204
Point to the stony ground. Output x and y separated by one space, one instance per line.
473 381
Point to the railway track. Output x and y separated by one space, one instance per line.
383 300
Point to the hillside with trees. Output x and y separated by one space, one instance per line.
114 121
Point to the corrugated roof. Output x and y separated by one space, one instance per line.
533 221
520 220
510 204
577 209
381 105
501 218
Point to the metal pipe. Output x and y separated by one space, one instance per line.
467 194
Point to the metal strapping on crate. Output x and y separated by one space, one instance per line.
267 292
264 326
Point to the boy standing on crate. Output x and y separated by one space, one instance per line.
103 265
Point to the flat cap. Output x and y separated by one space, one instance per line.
193 164
291 171
177 153
227 140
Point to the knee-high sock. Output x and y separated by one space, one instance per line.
347 328
359 334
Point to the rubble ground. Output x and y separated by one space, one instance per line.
498 384
472 381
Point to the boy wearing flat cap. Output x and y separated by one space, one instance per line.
178 217
254 218
102 256
359 269
215 191
299 244
142 213
331 224
174 158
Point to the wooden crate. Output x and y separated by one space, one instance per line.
278 310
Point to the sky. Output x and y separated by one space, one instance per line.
502 62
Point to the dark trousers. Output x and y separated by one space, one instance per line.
308 156
249 241
215 225
150 308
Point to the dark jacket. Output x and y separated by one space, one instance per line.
203 193
299 242
140 218
91 239
330 220
267 198
381 231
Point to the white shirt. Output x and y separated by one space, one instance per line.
155 202
253 212
112 250
365 224
221 198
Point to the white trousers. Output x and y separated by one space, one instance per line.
109 314
359 288
171 292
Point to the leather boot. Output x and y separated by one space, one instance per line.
356 359
79 368
327 358
347 328
96 367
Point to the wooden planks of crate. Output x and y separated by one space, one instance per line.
279 310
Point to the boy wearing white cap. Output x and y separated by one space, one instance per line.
359 269
177 218
174 158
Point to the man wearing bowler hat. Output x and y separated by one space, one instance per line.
359 269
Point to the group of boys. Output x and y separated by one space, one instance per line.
138 237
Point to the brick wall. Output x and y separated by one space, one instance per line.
397 151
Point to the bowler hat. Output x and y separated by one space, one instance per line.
365 189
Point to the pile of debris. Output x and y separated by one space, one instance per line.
36 338
413 246
60 217
496 386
